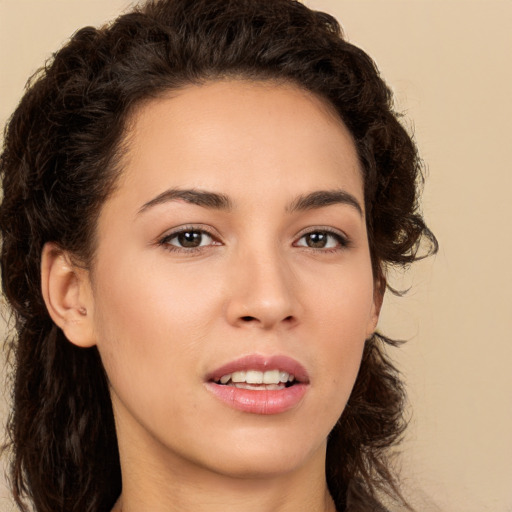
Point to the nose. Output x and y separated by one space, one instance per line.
262 292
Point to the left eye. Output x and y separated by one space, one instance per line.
321 240
189 239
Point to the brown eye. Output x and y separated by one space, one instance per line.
189 239
316 240
321 240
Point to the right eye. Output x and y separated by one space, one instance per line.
188 239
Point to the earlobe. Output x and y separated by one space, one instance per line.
67 294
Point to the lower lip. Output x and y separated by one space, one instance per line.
259 401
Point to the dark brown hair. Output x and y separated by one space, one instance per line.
60 163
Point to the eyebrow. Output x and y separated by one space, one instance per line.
216 201
192 196
322 198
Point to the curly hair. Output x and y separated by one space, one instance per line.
60 163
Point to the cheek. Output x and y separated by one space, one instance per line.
344 303
150 327
153 303
344 315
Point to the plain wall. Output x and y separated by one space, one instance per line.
449 64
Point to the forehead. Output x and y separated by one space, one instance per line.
262 134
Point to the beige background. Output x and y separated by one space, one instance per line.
449 63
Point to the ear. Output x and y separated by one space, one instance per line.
378 298
68 295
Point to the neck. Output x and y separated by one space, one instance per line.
249 496
156 482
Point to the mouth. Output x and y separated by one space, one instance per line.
258 380
259 384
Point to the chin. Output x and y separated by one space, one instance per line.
259 456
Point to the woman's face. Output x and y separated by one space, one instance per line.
235 242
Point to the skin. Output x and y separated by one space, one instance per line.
164 316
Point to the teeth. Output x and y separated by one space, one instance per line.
271 377
254 377
270 387
238 376
257 377
225 378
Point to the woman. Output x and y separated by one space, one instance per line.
200 203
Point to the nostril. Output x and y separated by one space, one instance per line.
254 319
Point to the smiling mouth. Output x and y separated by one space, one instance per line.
260 384
272 380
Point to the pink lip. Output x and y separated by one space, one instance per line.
260 401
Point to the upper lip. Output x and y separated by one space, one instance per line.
262 363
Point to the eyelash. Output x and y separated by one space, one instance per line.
342 241
165 241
